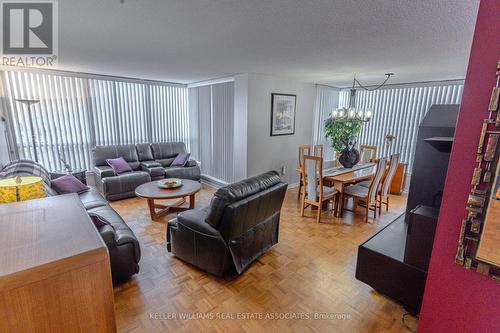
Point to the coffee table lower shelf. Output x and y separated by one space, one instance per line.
157 210
152 193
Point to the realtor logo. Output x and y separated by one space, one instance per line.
29 28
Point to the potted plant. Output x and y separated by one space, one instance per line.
342 134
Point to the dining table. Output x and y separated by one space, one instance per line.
339 177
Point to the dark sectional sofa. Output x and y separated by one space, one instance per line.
147 161
123 246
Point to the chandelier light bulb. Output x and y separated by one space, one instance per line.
341 113
368 114
352 113
335 113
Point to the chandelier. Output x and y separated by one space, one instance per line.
352 114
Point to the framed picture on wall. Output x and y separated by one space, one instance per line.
283 114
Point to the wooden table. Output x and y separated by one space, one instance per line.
151 191
340 170
55 274
341 177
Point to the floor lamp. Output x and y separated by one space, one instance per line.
29 103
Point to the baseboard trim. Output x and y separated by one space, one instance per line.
212 181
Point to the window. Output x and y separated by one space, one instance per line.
398 111
77 113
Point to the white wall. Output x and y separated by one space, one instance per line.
254 150
240 126
266 152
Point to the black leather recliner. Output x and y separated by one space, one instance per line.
241 223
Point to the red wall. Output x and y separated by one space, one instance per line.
455 299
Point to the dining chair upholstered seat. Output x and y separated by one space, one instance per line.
356 190
328 191
365 183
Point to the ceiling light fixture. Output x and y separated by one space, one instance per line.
351 114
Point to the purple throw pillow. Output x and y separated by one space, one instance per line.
99 221
180 160
68 184
119 165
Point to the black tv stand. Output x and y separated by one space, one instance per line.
381 265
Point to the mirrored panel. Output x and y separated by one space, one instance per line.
489 244
479 243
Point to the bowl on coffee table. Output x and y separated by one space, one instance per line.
170 183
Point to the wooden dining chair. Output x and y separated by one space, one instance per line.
367 153
316 150
367 195
303 150
315 194
385 183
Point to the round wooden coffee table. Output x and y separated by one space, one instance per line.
151 191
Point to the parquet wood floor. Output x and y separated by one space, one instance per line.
310 271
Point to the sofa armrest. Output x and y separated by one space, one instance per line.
194 219
153 168
104 171
150 164
193 240
191 163
108 234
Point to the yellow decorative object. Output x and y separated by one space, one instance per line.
21 188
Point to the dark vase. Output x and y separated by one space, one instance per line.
349 158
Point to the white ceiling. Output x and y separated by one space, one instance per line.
322 41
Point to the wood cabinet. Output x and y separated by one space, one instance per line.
54 269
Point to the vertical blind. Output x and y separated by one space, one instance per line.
399 111
77 113
327 99
215 109
222 131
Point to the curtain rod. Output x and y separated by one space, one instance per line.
411 83
87 75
